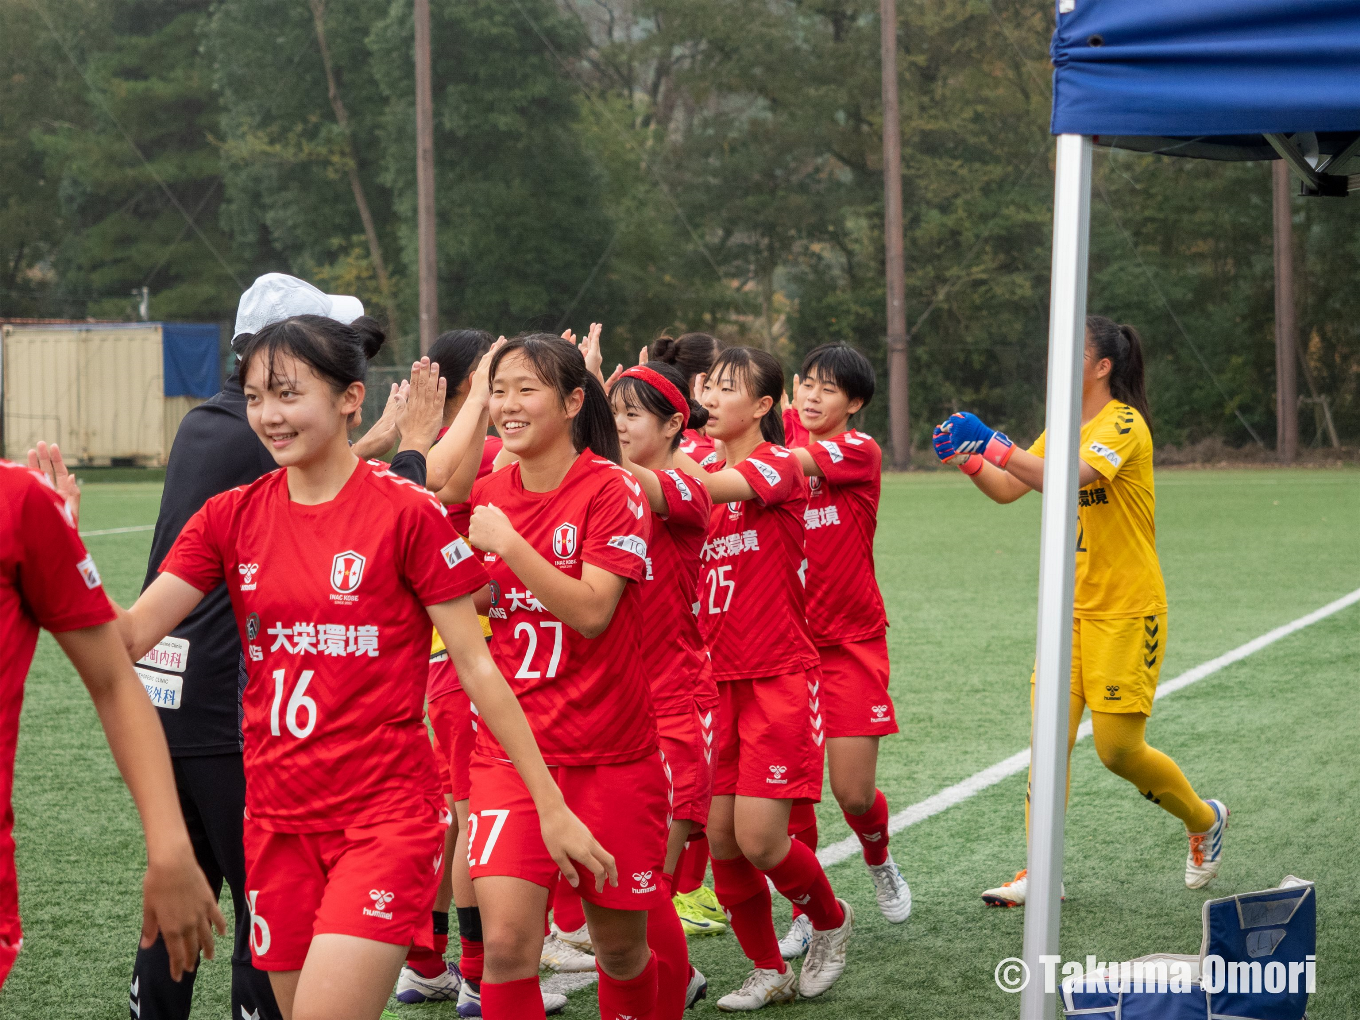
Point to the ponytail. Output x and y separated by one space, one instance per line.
1124 347
560 365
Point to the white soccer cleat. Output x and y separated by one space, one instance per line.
559 956
578 939
697 989
553 1002
414 988
795 941
1013 893
826 956
891 890
1206 849
760 989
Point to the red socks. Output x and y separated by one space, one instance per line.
800 878
619 1000
471 962
803 824
425 962
872 829
689 873
518 1000
566 906
667 941
745 897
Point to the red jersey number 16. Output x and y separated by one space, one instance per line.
717 581
296 703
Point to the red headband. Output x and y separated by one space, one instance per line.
667 388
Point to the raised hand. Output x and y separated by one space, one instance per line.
964 433
46 460
490 529
419 420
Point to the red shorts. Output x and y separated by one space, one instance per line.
855 685
374 881
771 740
625 806
11 932
454 734
687 743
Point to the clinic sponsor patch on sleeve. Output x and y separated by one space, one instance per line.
89 573
768 473
1107 453
634 544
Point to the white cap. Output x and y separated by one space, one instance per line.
278 296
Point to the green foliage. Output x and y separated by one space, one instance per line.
655 165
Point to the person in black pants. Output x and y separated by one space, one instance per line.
215 450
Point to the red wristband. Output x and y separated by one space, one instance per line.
998 449
972 465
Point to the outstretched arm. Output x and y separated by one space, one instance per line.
565 836
176 898
726 486
159 610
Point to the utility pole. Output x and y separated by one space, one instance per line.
429 281
894 260
1286 372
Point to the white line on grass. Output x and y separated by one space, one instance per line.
118 531
834 853
1018 762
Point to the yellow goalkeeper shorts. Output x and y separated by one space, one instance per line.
1116 663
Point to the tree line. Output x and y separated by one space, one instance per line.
658 165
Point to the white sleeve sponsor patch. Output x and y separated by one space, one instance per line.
455 552
171 653
1107 453
89 573
680 485
712 458
635 544
833 450
768 473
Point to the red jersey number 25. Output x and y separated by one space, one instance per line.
720 589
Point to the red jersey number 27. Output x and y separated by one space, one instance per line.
720 587
526 670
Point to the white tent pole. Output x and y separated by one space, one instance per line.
1057 552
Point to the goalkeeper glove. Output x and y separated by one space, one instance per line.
966 433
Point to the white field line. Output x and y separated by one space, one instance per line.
849 847
1018 762
118 531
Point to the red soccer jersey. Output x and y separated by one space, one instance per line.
461 513
586 699
330 603
47 579
843 600
674 656
751 588
697 445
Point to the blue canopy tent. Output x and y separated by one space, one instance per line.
1216 79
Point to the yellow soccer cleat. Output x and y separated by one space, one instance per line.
700 913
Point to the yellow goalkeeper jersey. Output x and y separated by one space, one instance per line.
1118 575
437 643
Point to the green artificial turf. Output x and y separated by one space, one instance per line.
1273 736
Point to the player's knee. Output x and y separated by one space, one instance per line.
1114 757
764 849
622 960
854 801
510 949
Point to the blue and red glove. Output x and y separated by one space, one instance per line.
966 433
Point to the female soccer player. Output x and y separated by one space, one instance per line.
336 569
753 612
564 533
1119 625
651 412
48 580
844 606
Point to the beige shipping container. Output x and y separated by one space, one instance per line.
97 390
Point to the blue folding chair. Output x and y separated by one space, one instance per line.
1255 963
